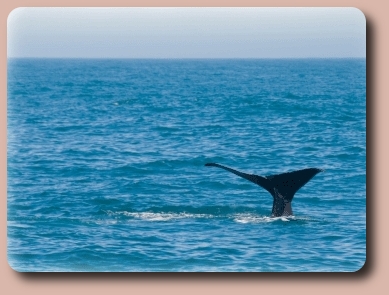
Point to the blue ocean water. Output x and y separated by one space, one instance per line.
106 164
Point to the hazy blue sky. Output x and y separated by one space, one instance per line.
186 32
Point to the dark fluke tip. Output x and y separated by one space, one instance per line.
209 164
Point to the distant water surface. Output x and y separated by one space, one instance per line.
106 164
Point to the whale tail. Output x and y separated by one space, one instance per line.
281 186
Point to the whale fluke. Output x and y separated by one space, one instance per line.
281 186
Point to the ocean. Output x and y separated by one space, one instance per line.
106 164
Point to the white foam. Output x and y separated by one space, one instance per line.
161 216
251 218
164 216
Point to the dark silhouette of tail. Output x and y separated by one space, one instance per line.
281 186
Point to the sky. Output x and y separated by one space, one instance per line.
186 33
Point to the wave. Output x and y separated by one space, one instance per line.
144 163
168 216
160 216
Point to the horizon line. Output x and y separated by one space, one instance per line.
188 58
